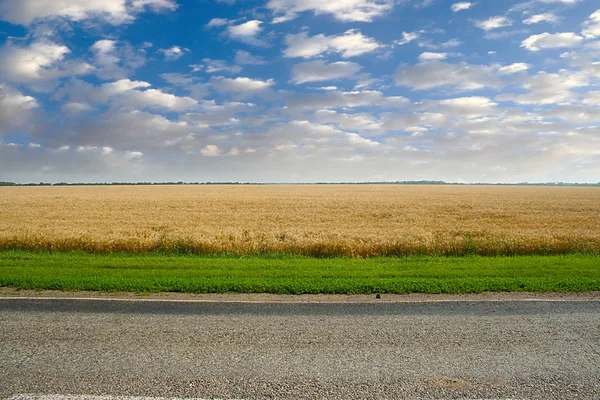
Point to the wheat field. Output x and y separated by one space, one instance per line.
313 220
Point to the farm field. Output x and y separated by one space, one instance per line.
309 220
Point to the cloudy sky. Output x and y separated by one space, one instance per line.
299 90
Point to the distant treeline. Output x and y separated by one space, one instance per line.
275 183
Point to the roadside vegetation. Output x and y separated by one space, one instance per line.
287 274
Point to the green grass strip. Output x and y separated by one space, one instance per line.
297 275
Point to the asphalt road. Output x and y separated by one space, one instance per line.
509 349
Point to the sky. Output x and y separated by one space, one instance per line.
299 90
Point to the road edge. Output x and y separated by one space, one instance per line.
9 293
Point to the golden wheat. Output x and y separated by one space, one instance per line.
318 220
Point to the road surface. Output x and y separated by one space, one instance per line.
508 349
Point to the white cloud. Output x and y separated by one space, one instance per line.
154 98
319 70
42 60
513 68
247 32
463 5
353 122
437 74
535 4
212 114
108 59
174 53
126 94
177 79
250 28
592 98
414 121
156 5
548 88
467 107
407 37
448 44
551 41
342 10
242 86
591 28
217 22
33 62
545 17
15 108
211 150
104 51
334 99
114 60
243 57
357 140
211 66
26 12
122 86
74 108
493 23
428 56
352 43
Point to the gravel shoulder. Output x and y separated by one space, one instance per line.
309 298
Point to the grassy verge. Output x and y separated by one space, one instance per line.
297 275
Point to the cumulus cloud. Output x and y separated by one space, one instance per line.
551 41
211 66
358 122
545 17
234 128
26 12
173 53
319 70
15 108
463 5
217 22
465 107
336 99
569 2
493 23
241 86
212 114
548 88
342 10
513 68
247 32
156 5
211 150
115 60
428 56
591 27
352 43
34 62
42 60
243 57
438 74
154 98
407 37
75 108
123 93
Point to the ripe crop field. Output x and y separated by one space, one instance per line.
311 220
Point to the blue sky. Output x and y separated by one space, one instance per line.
299 90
